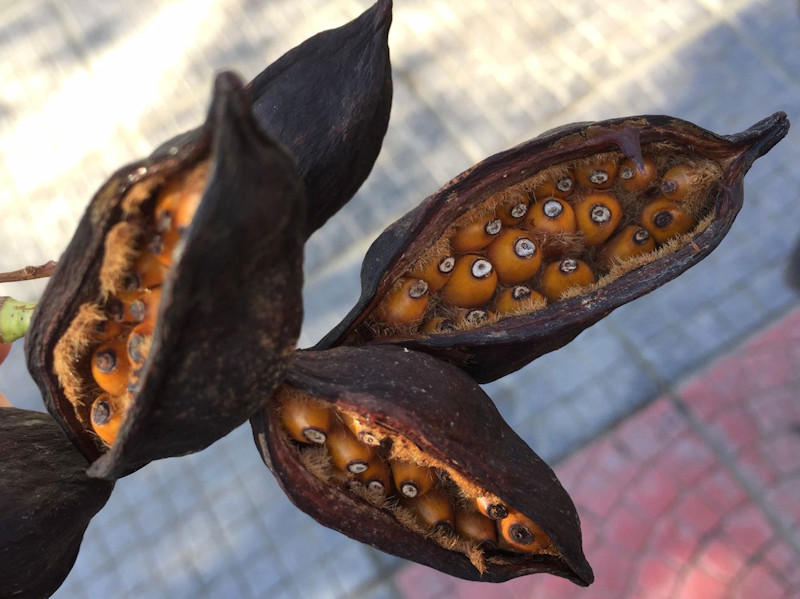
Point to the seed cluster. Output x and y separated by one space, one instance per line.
391 472
560 230
118 330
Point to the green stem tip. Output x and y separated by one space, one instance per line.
15 318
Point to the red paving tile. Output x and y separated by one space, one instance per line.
663 516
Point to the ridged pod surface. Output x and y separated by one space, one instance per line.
504 345
47 501
427 411
230 306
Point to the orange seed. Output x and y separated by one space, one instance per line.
476 235
597 215
514 256
632 241
522 533
557 277
404 305
472 282
412 479
111 368
631 179
434 509
516 299
347 452
677 182
435 273
476 527
665 219
306 421
553 216
599 175
106 416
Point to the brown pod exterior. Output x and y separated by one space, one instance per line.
502 347
665 219
48 501
514 256
216 353
442 411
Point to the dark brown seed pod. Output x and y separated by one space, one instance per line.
505 345
48 501
432 411
245 242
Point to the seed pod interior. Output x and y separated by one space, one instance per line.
182 339
711 169
428 418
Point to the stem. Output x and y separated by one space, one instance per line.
28 273
15 318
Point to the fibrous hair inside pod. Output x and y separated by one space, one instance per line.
91 359
422 492
603 211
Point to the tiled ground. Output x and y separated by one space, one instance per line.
697 496
89 85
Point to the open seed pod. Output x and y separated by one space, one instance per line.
448 451
47 502
679 185
176 305
328 102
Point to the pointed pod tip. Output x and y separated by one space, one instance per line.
382 14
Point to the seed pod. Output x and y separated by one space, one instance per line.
334 89
597 215
474 525
48 501
245 242
665 220
553 216
632 241
405 305
476 235
560 187
412 479
522 533
632 179
597 174
505 345
425 408
434 509
348 453
514 256
472 282
557 277
517 300
435 273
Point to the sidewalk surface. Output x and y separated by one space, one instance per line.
673 422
